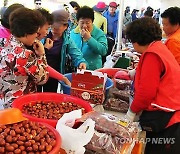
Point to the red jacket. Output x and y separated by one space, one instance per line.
168 93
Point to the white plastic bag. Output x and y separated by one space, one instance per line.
109 63
74 140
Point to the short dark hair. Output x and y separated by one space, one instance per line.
9 10
37 1
134 11
149 8
25 21
148 13
173 13
74 4
48 17
85 12
144 31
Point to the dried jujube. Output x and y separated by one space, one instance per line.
26 137
50 110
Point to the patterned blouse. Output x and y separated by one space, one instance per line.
20 71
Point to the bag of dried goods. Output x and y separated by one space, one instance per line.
111 135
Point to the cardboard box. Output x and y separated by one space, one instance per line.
89 85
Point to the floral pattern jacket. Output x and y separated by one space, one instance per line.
20 70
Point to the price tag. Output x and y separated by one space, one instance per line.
123 123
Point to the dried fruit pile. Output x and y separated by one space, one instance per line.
50 110
26 137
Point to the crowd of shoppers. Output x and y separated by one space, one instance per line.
34 44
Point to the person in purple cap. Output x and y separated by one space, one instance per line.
112 19
99 20
63 45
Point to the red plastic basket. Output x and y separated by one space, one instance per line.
55 150
55 97
110 71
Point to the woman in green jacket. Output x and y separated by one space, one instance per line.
89 39
62 45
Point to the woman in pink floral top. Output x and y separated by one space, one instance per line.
21 69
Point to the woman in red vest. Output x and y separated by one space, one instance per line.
157 88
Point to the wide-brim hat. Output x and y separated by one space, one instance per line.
100 7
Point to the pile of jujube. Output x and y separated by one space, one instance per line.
50 110
26 137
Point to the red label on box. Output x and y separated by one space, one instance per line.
89 85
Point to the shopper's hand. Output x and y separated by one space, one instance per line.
132 74
82 66
66 81
48 44
130 116
86 35
39 48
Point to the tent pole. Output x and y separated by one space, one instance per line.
120 25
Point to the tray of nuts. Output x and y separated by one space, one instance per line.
49 107
29 137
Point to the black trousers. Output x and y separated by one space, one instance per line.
111 43
50 86
168 141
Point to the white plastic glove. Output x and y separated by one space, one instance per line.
130 115
132 73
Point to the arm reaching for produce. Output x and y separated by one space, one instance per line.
56 75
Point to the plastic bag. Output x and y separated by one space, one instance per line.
122 94
111 136
116 104
104 143
117 100
122 84
74 140
109 63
